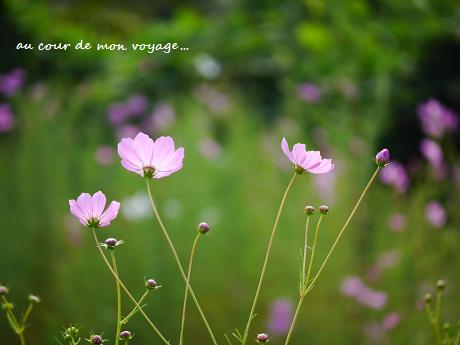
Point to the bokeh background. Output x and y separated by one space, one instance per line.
345 77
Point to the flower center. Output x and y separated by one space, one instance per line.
93 222
298 169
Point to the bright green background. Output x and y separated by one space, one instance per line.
396 54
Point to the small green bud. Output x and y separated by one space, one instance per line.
3 290
428 298
34 299
441 284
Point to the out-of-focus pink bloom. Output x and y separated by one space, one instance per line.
89 210
325 186
397 222
374 331
136 104
127 131
104 155
436 119
11 82
119 112
384 261
150 158
391 321
281 313
74 235
163 117
432 151
209 148
435 214
395 175
216 100
306 161
352 286
6 118
309 92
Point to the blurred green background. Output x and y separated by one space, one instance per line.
344 77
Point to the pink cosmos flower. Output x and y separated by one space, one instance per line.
306 161
435 214
150 158
89 210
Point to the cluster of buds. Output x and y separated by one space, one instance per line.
71 334
323 209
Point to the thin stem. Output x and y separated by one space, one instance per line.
26 315
151 324
21 338
313 251
305 247
457 338
10 315
179 265
135 309
267 256
437 320
343 229
303 292
189 273
114 265
297 311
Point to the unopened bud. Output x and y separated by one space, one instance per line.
3 290
309 210
324 209
203 228
441 284
262 338
428 298
96 339
124 335
382 158
34 299
152 284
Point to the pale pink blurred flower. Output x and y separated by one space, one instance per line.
397 222
309 92
432 151
89 210
216 100
104 155
391 321
372 299
281 314
352 286
6 118
374 331
306 161
136 104
127 131
120 112
11 82
74 235
150 158
163 116
209 148
325 186
117 113
395 175
386 260
436 119
435 214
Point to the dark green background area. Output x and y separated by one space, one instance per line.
375 62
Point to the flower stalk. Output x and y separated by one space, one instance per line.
267 256
179 265
114 265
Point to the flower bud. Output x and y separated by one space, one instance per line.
34 299
262 338
7 306
72 330
324 209
309 210
441 284
203 228
125 334
96 339
3 290
382 158
111 243
428 298
152 284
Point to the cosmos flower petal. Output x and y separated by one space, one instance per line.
164 147
144 147
324 167
298 153
285 148
173 162
98 201
110 214
128 153
311 160
77 212
128 166
84 203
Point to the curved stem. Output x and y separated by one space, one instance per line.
179 265
26 315
344 227
267 256
151 324
189 273
135 309
303 292
305 248
114 265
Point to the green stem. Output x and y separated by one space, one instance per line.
437 314
457 338
304 264
303 292
135 309
21 338
10 315
189 273
179 265
151 324
267 256
344 227
114 265
26 315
